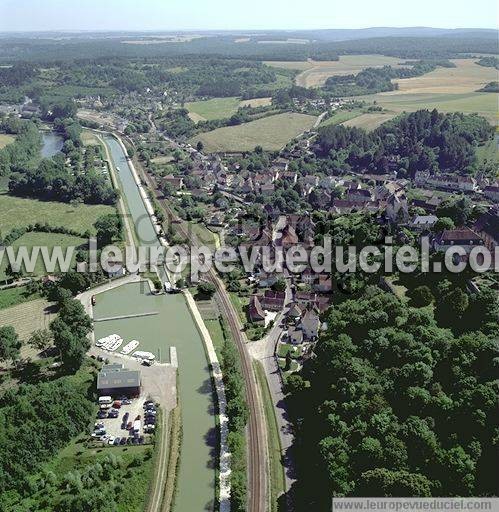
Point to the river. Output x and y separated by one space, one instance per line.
171 326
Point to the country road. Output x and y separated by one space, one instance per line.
158 483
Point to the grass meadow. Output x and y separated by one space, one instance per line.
272 133
19 212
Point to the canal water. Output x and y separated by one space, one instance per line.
171 325
52 144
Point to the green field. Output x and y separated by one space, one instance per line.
19 212
13 296
272 133
216 108
49 240
341 116
369 121
484 103
489 152
5 139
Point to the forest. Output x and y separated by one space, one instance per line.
321 47
396 404
421 140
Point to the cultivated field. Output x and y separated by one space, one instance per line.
341 116
256 102
220 108
466 77
19 212
216 108
272 133
446 89
369 121
5 139
315 73
27 317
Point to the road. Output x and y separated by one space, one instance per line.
257 432
264 351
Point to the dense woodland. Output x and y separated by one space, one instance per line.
324 47
422 140
397 405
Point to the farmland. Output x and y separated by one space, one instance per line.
216 108
27 317
19 212
256 102
341 116
446 89
5 139
272 133
220 108
369 121
315 73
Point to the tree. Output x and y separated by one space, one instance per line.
443 223
279 285
108 229
206 289
75 282
422 296
295 384
200 146
9 343
40 339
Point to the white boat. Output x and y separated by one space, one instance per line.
115 345
144 356
130 347
113 342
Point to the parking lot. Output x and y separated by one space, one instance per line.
115 427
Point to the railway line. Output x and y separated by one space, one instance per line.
257 460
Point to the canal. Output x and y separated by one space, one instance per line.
172 325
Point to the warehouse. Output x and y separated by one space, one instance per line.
117 381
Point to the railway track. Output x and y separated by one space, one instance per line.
257 460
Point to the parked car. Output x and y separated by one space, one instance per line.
99 424
102 414
123 441
113 413
141 440
129 440
117 441
150 412
148 403
150 421
111 439
117 404
127 401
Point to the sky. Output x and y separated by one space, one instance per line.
40 15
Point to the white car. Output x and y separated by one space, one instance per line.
110 440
